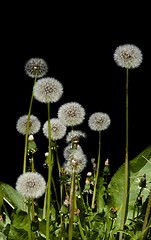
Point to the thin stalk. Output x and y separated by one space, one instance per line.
59 170
80 226
45 202
50 165
29 221
27 129
146 216
72 202
125 192
97 173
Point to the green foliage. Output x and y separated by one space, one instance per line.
137 168
11 196
95 225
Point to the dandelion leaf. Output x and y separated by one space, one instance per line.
137 168
11 196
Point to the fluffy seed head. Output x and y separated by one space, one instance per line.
48 90
58 130
74 134
34 125
36 67
77 160
31 185
71 114
99 121
128 56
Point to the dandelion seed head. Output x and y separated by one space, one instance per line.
68 151
48 90
31 185
128 56
34 125
58 130
99 121
77 160
74 134
36 67
71 114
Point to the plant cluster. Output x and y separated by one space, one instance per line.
107 208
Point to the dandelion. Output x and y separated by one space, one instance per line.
68 150
31 185
58 130
99 121
36 67
34 125
71 114
75 134
128 56
48 90
77 160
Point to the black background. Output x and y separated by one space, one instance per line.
77 41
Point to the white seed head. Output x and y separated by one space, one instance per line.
71 114
34 125
77 160
58 130
99 121
48 90
31 185
128 56
74 134
36 67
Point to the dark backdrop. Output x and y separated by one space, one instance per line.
77 41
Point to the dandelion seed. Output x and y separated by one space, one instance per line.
48 90
34 125
71 114
36 67
58 130
68 150
31 185
99 121
128 56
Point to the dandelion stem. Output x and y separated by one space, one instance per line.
29 221
50 166
72 202
125 192
27 129
97 173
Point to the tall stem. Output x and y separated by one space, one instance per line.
125 192
50 165
72 201
97 173
29 221
27 129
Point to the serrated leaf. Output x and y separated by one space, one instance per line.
17 234
1 197
137 167
11 196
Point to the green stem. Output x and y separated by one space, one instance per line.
72 201
146 216
27 129
50 165
125 192
97 173
29 221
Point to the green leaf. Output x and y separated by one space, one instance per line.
17 234
137 167
19 219
11 196
100 194
1 198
